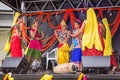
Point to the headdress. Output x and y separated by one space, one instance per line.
78 20
63 23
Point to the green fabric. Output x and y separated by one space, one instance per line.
34 53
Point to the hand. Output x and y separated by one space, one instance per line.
69 32
35 28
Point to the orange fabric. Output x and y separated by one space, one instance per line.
70 13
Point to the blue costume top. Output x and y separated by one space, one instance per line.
76 52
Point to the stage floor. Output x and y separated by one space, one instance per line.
72 76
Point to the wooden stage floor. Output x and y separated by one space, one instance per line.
72 76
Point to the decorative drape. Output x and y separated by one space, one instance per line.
69 14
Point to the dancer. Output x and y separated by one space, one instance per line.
16 48
35 45
63 48
96 39
76 41
106 40
91 41
73 66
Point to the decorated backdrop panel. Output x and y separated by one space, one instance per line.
50 21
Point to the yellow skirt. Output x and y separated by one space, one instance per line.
63 54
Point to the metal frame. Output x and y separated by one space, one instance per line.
16 4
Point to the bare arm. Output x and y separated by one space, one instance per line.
103 31
79 31
82 27
57 36
42 36
76 34
33 33
19 33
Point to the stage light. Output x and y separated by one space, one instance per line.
109 12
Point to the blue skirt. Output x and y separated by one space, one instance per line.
76 55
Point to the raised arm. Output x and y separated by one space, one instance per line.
83 26
76 34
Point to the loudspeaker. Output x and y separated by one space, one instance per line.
96 62
43 63
17 65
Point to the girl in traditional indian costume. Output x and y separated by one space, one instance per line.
16 48
63 48
76 42
106 40
91 41
96 39
35 45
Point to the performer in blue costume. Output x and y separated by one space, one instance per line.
76 42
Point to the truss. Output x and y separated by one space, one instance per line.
14 4
28 6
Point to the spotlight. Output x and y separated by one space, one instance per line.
110 13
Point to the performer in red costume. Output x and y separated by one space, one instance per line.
16 48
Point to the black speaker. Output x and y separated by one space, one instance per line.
43 63
17 65
96 62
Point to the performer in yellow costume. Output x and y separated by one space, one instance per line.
63 48
93 41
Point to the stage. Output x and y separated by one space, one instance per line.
72 76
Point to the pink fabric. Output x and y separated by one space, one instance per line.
35 44
37 35
78 20
16 48
85 78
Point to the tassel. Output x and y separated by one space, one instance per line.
80 76
85 78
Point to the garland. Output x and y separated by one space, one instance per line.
49 44
72 18
8 77
67 13
48 38
82 77
116 23
53 27
46 77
